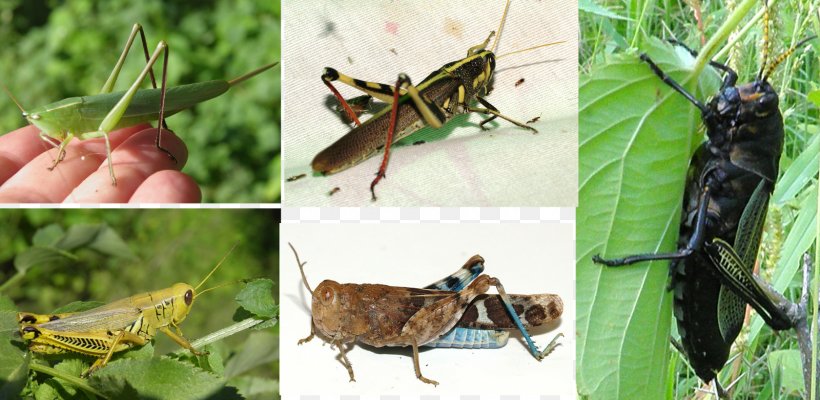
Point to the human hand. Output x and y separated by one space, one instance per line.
144 174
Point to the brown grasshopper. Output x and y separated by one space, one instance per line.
454 312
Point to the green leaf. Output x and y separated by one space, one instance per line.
56 388
802 170
109 242
252 387
635 140
8 315
589 6
814 97
260 348
162 378
13 362
787 367
257 298
38 255
79 235
48 236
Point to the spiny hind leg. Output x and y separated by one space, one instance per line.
505 299
431 114
122 337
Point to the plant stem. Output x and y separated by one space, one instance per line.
225 332
12 281
77 382
711 47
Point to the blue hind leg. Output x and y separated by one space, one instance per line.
539 355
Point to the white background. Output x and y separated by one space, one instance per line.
507 166
527 258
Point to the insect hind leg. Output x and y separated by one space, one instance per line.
380 91
539 355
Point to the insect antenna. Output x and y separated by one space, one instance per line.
530 48
221 285
783 56
765 40
215 268
301 269
500 25
5 89
251 74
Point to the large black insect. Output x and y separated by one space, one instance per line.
730 179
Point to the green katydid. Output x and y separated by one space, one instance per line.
95 116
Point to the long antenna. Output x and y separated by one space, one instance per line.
530 48
217 267
500 25
221 285
251 74
765 40
5 89
782 57
301 268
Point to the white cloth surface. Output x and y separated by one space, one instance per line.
374 41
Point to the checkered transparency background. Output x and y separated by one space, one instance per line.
429 215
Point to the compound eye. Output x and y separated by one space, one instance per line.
732 95
189 297
327 295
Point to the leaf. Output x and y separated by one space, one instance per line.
13 362
162 378
252 387
787 367
79 235
109 242
56 388
591 7
37 255
48 236
814 97
802 170
257 298
260 348
634 151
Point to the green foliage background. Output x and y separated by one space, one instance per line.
636 137
53 49
162 247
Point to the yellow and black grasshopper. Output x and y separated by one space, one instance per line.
457 87
114 327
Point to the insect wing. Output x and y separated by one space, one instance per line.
112 316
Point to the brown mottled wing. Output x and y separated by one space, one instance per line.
488 312
388 308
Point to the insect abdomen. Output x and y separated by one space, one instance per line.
466 338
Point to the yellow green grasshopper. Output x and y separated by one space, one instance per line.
114 327
96 116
